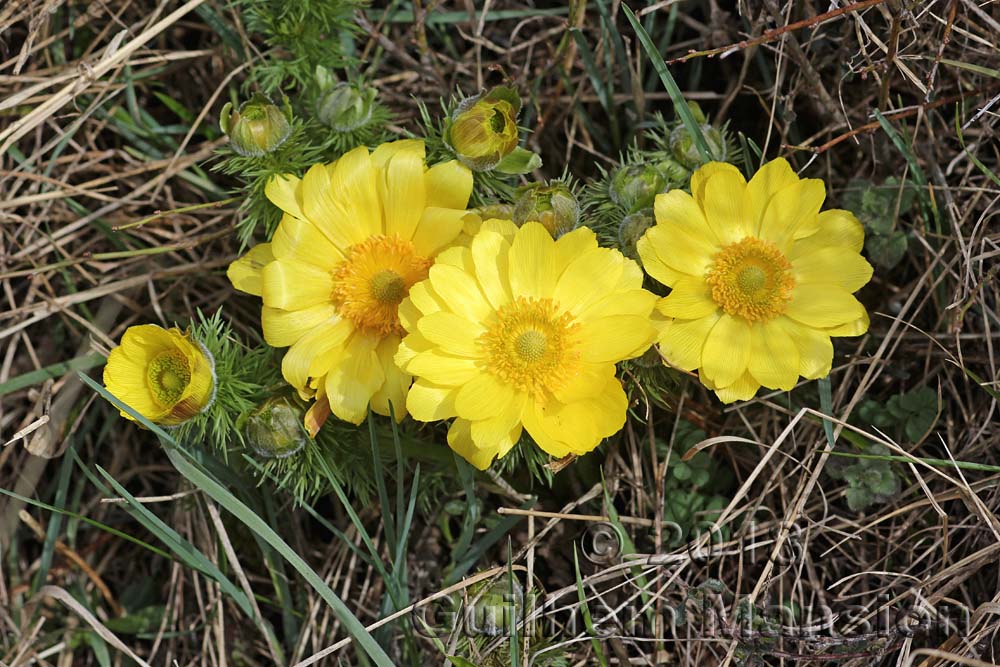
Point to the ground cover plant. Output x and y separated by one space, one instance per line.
501 333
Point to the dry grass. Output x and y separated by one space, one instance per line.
89 150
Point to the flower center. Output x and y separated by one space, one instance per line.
373 279
168 375
751 279
388 287
532 346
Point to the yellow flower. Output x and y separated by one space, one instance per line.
484 130
760 278
161 373
519 330
355 236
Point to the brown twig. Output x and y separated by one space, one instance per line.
771 35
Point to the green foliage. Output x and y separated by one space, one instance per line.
869 481
619 204
910 414
878 208
694 490
244 376
302 35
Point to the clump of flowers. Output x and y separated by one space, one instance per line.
163 374
520 331
355 236
760 278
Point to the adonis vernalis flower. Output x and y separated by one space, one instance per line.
760 278
519 330
355 236
160 373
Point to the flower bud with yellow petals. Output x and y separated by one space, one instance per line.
162 374
483 129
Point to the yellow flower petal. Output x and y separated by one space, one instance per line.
295 285
454 334
448 185
424 298
460 440
354 196
616 338
678 209
620 303
590 380
791 209
501 431
679 250
490 252
532 262
774 357
245 272
823 306
701 176
428 402
296 364
394 389
443 369
300 240
725 206
653 265
482 397
836 229
814 347
770 179
855 327
283 327
571 245
690 299
743 389
384 153
438 228
460 291
402 192
332 211
727 350
284 191
833 266
352 382
588 278
681 341
539 430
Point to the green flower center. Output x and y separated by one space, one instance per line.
388 287
531 345
168 376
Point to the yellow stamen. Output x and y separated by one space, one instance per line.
751 279
374 278
532 346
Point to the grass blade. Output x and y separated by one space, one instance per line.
680 104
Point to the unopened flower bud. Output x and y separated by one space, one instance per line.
495 605
686 152
274 430
552 205
633 187
496 212
631 230
346 106
483 129
258 127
